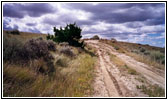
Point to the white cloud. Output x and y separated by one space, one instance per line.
100 26
152 29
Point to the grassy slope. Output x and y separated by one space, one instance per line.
24 36
73 76
142 53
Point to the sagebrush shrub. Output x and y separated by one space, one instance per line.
146 53
12 49
67 51
158 56
51 45
15 51
142 50
34 50
37 48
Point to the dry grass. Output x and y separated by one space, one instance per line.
71 81
143 53
132 71
72 77
122 65
146 60
24 36
152 90
116 45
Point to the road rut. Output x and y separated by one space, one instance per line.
111 81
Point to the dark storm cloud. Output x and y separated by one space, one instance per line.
12 11
18 10
155 21
86 22
66 19
99 8
31 24
115 35
121 13
134 25
61 19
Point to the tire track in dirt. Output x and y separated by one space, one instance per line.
115 76
142 68
115 83
112 85
112 91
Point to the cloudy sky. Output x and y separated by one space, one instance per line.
132 22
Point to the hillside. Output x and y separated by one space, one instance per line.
36 67
45 68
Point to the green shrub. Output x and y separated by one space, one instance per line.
96 37
48 37
14 32
142 50
71 34
146 53
163 61
116 47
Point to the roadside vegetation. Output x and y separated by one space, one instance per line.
96 37
71 34
123 67
156 55
34 66
152 90
150 55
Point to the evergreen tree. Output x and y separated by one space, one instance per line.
71 34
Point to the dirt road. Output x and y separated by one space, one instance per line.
110 82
